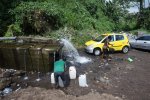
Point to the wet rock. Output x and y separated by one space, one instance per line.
7 91
7 74
14 84
1 94
1 72
11 72
4 83
19 73
17 89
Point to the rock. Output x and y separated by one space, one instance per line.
106 64
14 84
7 91
7 74
4 83
19 73
104 80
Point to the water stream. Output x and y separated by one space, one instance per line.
73 53
25 64
38 77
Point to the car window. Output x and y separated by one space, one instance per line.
140 38
111 38
147 38
119 37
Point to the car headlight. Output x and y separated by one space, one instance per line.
90 46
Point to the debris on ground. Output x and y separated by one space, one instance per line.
130 60
43 94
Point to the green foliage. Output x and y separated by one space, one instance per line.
79 16
5 17
13 30
146 18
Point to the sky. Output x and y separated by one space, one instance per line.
135 8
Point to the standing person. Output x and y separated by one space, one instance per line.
106 48
59 68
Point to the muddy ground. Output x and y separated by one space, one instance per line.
118 77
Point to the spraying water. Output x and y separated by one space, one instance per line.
72 52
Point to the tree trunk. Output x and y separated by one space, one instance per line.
140 18
141 5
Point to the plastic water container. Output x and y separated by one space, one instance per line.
52 78
82 81
61 84
72 72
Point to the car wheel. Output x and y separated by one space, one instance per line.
125 49
97 52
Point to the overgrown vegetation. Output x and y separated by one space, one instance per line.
74 18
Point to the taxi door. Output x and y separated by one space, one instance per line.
111 42
118 42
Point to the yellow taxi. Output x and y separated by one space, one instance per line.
119 42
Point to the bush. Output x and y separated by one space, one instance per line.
13 30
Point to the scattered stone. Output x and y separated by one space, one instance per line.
18 85
104 80
97 81
129 67
99 66
17 89
106 64
19 73
118 68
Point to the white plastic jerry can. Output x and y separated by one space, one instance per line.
72 72
82 81
60 81
52 78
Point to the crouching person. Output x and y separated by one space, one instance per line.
59 68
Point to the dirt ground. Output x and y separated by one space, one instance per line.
113 80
